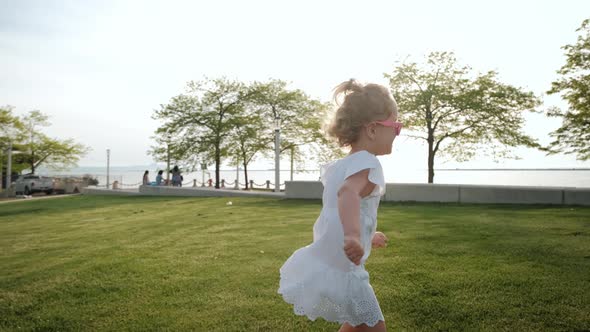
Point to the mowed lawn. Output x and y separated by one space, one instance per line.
140 263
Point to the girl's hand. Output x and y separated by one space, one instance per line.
353 249
379 240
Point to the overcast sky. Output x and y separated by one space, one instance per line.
100 68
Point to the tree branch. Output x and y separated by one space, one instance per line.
450 135
444 116
41 160
414 136
415 82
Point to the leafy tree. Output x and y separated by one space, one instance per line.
169 149
11 128
249 138
458 113
41 149
10 124
573 137
200 119
301 120
11 131
35 148
218 118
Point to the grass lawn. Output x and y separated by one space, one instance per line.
141 263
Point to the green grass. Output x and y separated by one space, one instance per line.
139 263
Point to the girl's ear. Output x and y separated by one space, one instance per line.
371 131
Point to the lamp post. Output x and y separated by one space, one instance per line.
203 169
108 166
168 159
8 165
10 133
277 152
237 186
2 168
292 153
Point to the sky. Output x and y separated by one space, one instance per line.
100 68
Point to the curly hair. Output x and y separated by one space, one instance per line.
362 105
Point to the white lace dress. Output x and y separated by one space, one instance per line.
319 280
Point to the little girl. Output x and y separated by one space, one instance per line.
328 278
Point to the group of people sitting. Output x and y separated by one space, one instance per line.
176 180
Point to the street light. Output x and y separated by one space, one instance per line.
277 124
203 169
10 133
108 166
237 186
9 154
168 159
8 165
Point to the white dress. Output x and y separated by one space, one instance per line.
319 280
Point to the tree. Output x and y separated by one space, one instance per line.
11 131
200 119
322 148
573 137
301 120
249 138
217 119
457 113
10 124
11 127
169 149
41 149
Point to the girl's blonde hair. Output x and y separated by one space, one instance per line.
362 104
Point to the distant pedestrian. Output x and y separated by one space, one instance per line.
146 178
159 178
176 177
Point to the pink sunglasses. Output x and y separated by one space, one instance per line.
397 126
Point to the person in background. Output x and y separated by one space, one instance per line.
176 180
146 178
159 178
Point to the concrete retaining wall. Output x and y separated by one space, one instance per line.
304 189
511 195
576 196
396 192
202 192
416 192
109 192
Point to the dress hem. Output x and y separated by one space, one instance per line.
313 319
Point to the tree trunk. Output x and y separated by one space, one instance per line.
246 174
430 140
217 163
33 162
430 157
292 151
430 164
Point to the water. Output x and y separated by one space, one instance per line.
131 177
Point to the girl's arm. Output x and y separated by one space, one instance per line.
350 194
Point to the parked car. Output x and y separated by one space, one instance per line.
31 183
